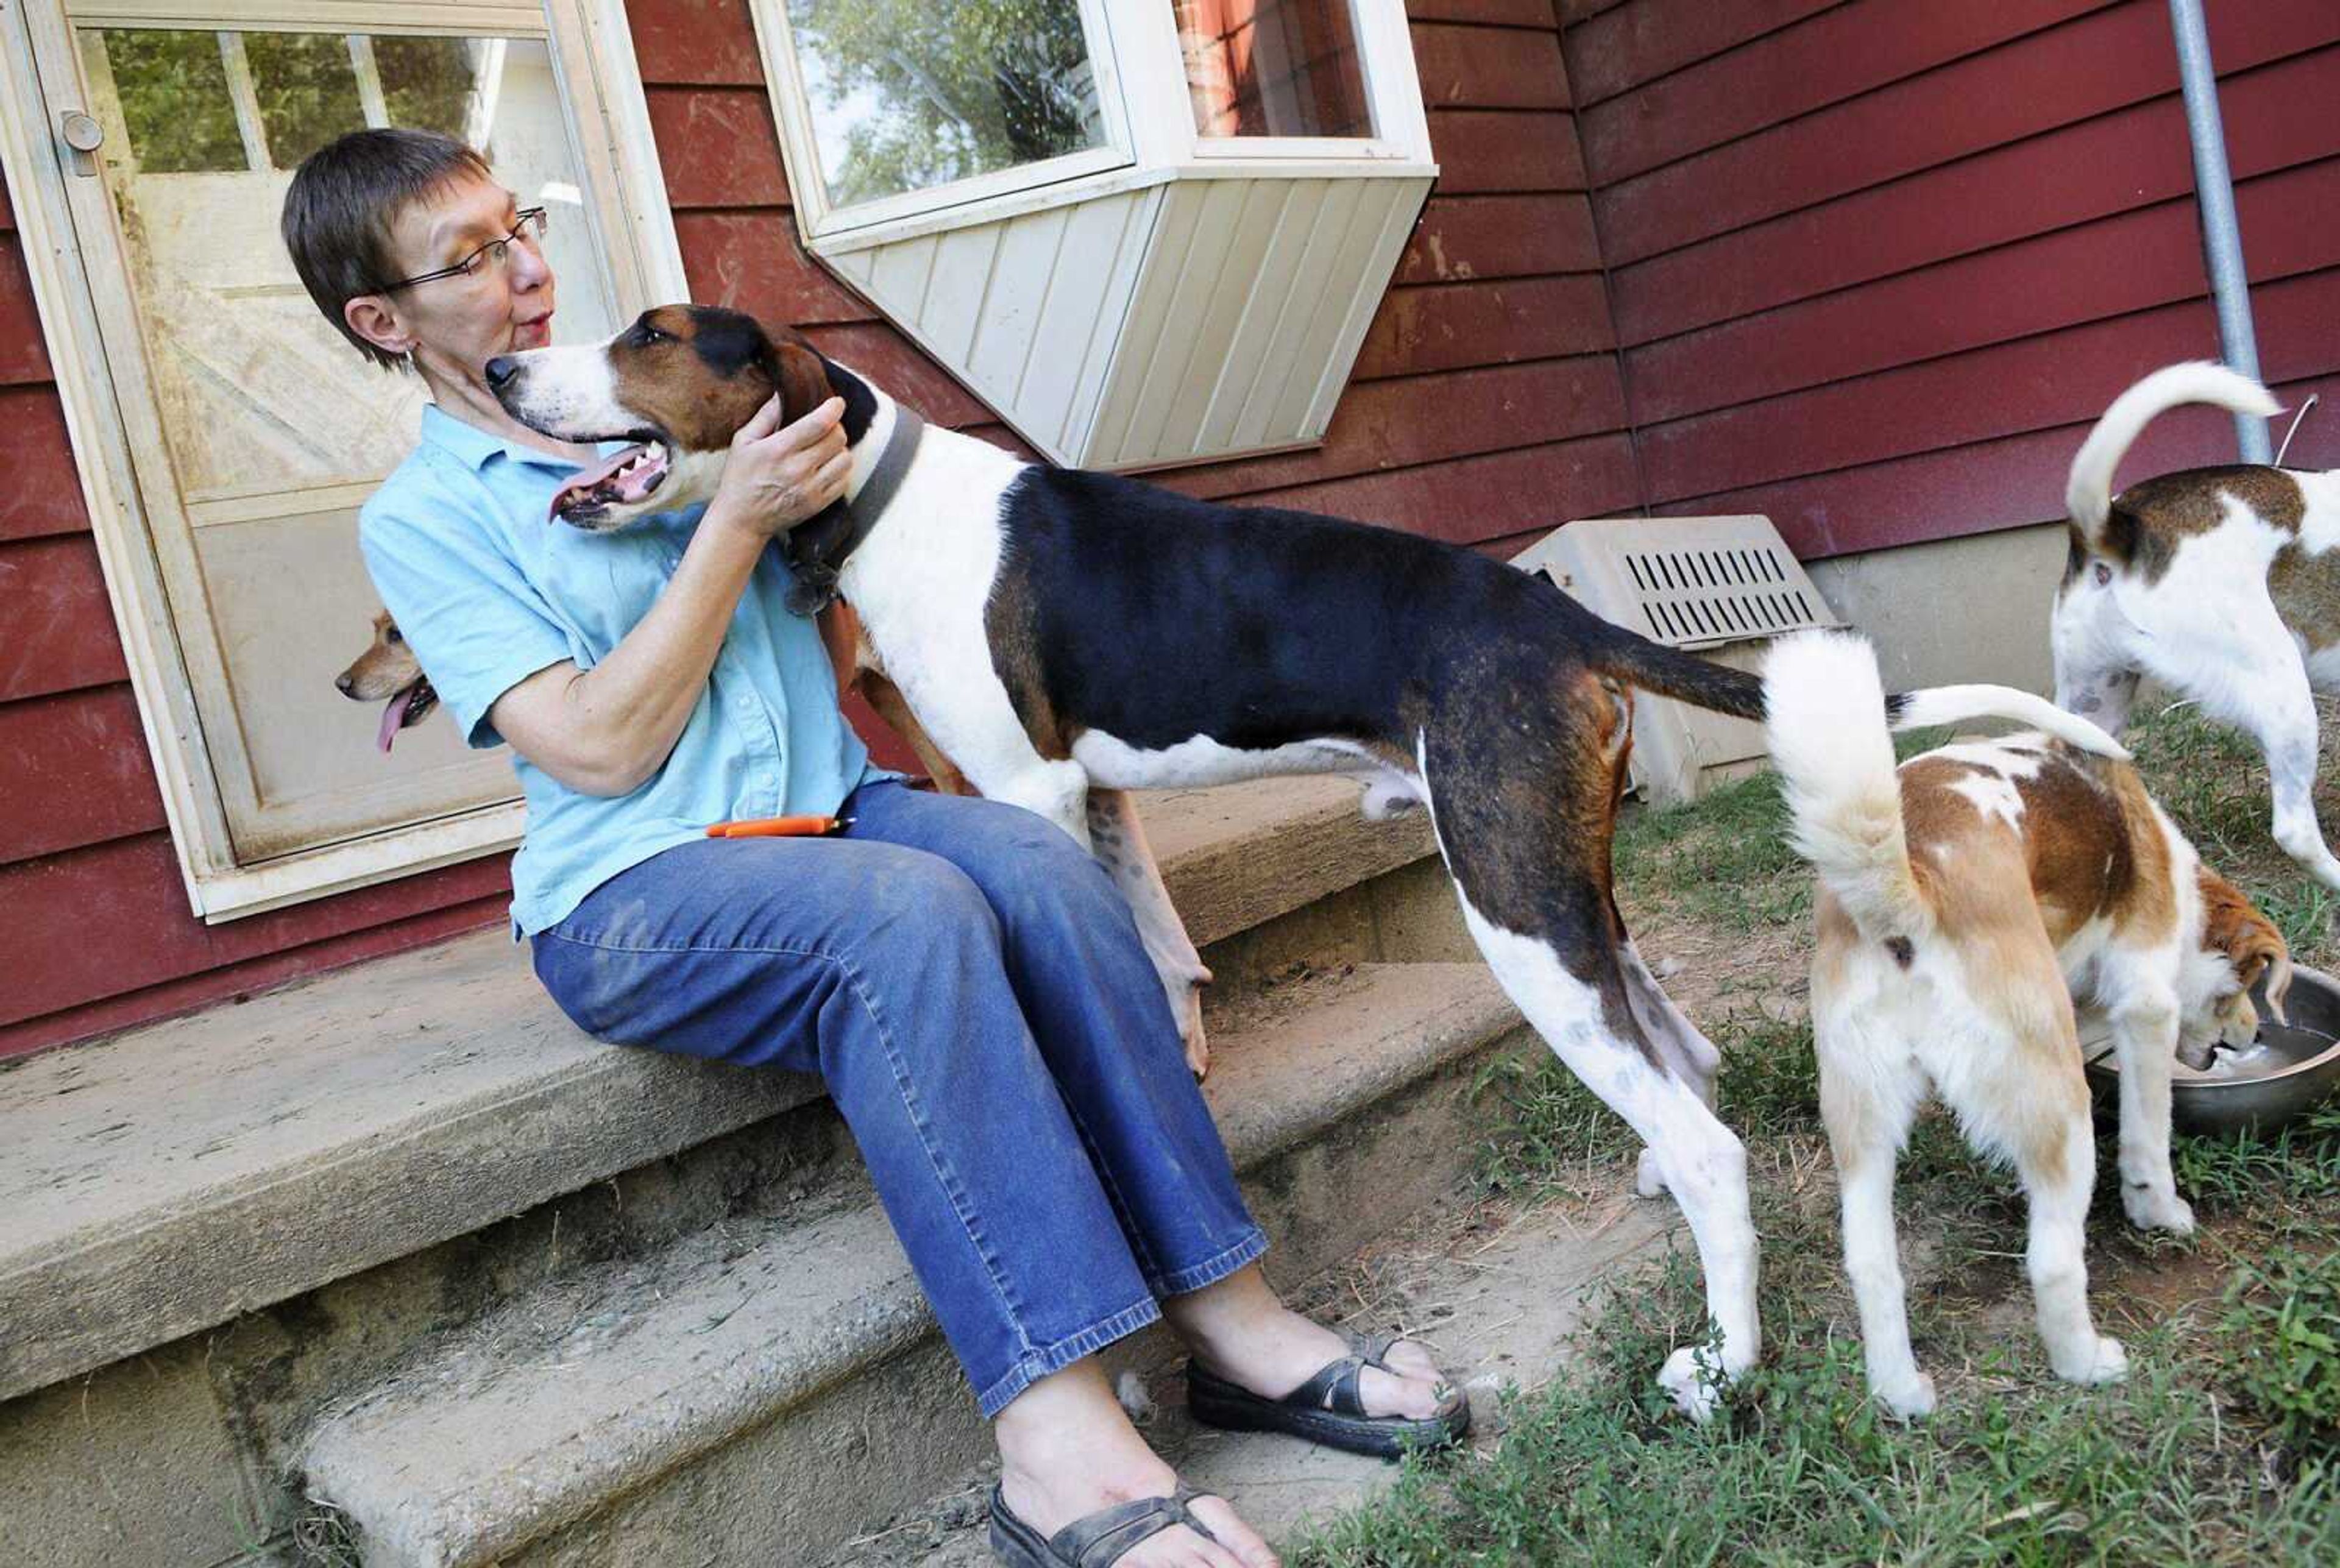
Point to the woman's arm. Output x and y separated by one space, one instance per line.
607 729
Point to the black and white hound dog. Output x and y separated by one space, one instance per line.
1060 634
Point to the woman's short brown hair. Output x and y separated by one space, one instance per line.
343 201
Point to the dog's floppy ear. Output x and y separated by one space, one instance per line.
2251 941
2268 956
800 372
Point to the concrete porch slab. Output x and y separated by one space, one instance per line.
172 1177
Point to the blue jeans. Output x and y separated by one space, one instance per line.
971 988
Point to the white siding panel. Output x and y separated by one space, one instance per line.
1367 210
1133 365
1187 320
1274 292
1065 336
1023 275
1362 287
899 275
1107 339
1218 341
1188 298
955 292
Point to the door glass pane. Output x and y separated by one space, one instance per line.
174 101
908 94
1272 68
306 85
429 82
275 428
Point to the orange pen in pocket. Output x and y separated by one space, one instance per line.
779 827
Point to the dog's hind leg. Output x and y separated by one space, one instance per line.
1699 1159
1870 1087
1685 1050
2284 720
1529 859
2241 663
1118 839
2030 1102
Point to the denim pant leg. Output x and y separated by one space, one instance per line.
878 968
1094 1004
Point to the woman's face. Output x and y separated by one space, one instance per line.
456 324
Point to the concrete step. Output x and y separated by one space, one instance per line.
1502 1310
175 1176
766 1392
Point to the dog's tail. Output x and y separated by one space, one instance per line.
2087 495
1828 722
1670 673
1825 721
1636 660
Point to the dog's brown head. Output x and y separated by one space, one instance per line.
678 382
2252 949
388 673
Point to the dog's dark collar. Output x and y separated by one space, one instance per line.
817 550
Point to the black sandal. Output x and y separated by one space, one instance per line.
1327 1408
1095 1541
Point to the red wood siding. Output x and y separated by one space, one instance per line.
1874 267
1497 321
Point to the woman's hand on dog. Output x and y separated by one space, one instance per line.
777 476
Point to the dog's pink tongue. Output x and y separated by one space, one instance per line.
394 716
586 482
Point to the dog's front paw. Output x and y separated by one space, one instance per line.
2150 1208
1694 1380
1648 1180
1910 1398
2105 1362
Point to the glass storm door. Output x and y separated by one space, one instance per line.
254 430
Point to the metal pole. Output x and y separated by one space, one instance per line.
2214 193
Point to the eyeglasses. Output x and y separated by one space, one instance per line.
528 231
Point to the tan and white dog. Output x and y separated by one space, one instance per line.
1966 899
2222 583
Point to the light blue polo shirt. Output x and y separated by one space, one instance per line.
488 590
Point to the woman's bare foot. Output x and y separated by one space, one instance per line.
1066 1450
1240 1330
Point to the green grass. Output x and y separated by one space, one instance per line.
2221 1448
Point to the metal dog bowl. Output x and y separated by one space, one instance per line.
2300 1065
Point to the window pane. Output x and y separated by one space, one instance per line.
906 95
430 83
172 89
308 91
1272 68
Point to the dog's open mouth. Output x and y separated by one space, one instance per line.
631 476
411 704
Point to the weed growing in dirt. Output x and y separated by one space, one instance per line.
2279 1342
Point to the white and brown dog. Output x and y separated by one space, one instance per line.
2222 583
1965 900
1063 637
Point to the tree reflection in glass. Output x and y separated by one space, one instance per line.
908 94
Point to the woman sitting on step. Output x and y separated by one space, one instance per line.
965 980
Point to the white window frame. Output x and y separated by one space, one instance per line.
1149 117
1160 100
601 87
792 107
